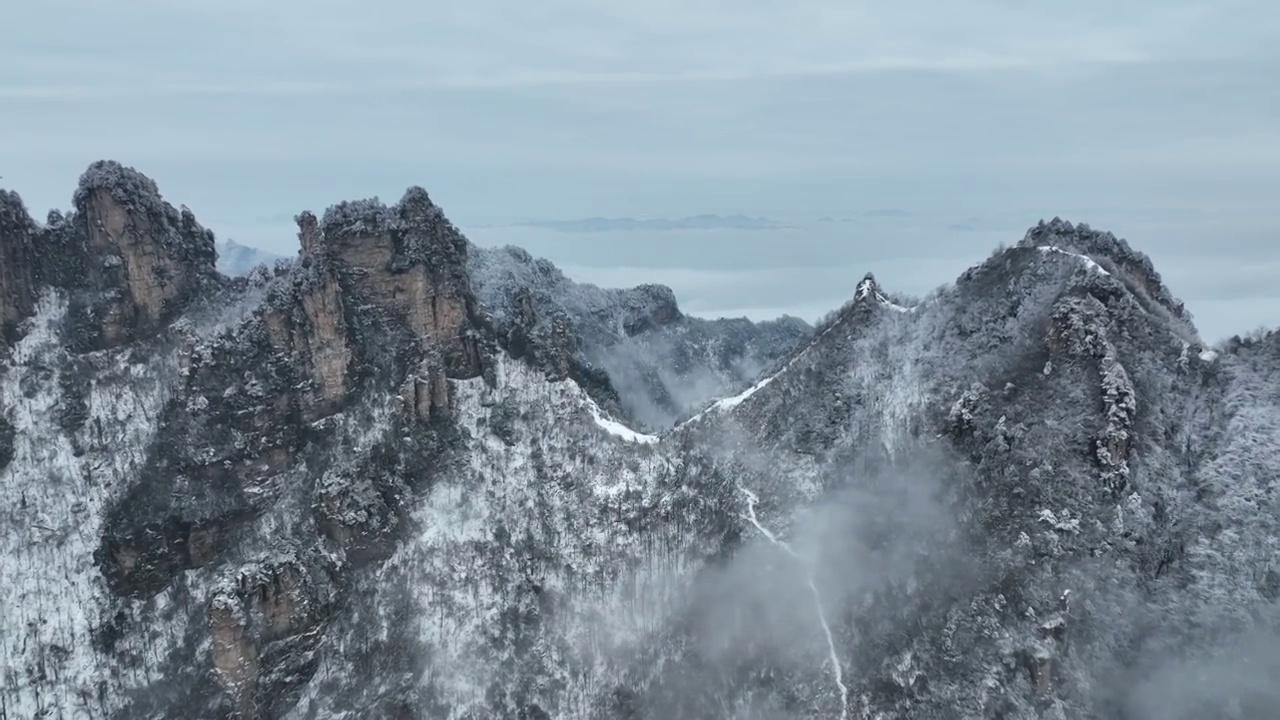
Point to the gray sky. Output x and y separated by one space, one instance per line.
1159 121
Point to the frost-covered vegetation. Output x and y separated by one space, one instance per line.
1031 494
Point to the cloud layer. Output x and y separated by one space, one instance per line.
1155 120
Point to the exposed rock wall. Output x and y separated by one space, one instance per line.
19 266
131 261
407 260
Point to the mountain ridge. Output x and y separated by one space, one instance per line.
387 480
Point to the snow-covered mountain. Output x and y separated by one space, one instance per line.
405 477
661 363
235 259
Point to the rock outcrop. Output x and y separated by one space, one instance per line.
143 260
1100 246
19 264
130 261
271 397
408 260
264 621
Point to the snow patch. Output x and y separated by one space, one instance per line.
1088 261
617 429
752 499
732 402
53 496
866 288
1208 355
736 400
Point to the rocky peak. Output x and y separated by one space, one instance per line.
1114 254
408 260
13 213
868 289
135 260
309 237
648 307
426 237
368 235
125 211
17 262
869 294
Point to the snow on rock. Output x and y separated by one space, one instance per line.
731 402
1088 261
833 658
736 400
868 287
613 427
52 500
542 513
1205 354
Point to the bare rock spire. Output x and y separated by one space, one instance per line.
145 258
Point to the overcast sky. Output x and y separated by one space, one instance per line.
1159 121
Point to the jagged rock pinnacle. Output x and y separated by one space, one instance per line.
125 184
18 272
867 288
150 258
407 259
129 261
309 237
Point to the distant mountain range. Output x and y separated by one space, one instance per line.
626 224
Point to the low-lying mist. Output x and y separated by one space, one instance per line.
809 602
883 594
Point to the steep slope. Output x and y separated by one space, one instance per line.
322 489
639 353
1031 496
386 481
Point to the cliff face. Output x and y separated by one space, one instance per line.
144 260
128 261
18 266
194 436
396 478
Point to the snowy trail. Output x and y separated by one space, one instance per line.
752 499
